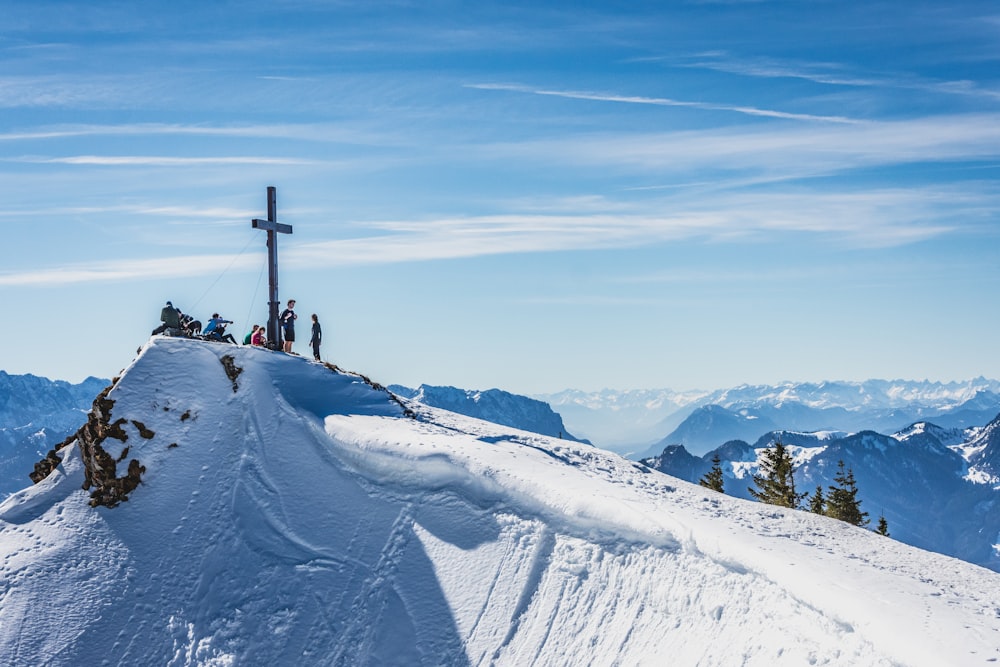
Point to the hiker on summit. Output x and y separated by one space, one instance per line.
191 326
258 337
317 337
213 323
171 318
287 322
216 330
249 337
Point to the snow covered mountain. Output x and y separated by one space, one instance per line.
35 415
493 405
983 454
645 422
936 487
710 425
280 511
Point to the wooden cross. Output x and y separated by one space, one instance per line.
273 228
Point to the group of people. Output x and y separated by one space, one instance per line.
176 323
286 320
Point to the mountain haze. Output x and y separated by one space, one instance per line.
35 415
642 423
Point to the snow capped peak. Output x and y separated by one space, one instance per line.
492 405
291 513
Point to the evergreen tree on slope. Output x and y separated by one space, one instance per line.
713 478
842 501
775 480
817 503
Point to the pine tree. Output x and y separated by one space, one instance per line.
817 503
883 526
713 478
842 501
776 481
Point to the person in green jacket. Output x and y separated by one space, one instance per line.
249 337
171 318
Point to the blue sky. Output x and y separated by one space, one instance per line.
531 196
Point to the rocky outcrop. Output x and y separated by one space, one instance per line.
100 467
232 370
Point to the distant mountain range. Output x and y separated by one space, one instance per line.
35 414
492 405
644 422
933 473
938 487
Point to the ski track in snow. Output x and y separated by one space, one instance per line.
304 520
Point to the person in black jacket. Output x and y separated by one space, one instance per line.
287 322
317 337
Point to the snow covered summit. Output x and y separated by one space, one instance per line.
288 513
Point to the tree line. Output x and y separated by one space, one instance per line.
774 484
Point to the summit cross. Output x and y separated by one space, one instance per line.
273 228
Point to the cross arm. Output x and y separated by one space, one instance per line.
271 226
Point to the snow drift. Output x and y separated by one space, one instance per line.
289 513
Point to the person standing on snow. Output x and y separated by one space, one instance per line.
287 322
317 337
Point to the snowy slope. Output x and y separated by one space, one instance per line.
297 515
917 479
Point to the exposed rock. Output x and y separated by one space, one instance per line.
232 370
45 466
100 468
143 431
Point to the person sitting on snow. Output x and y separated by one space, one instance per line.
171 318
249 336
214 322
216 329
191 326
258 337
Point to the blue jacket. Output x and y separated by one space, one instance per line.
214 322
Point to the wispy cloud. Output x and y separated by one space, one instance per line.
159 160
662 101
127 270
184 212
312 132
768 153
835 74
869 218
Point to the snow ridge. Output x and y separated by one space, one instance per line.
308 518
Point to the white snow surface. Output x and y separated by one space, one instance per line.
305 519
